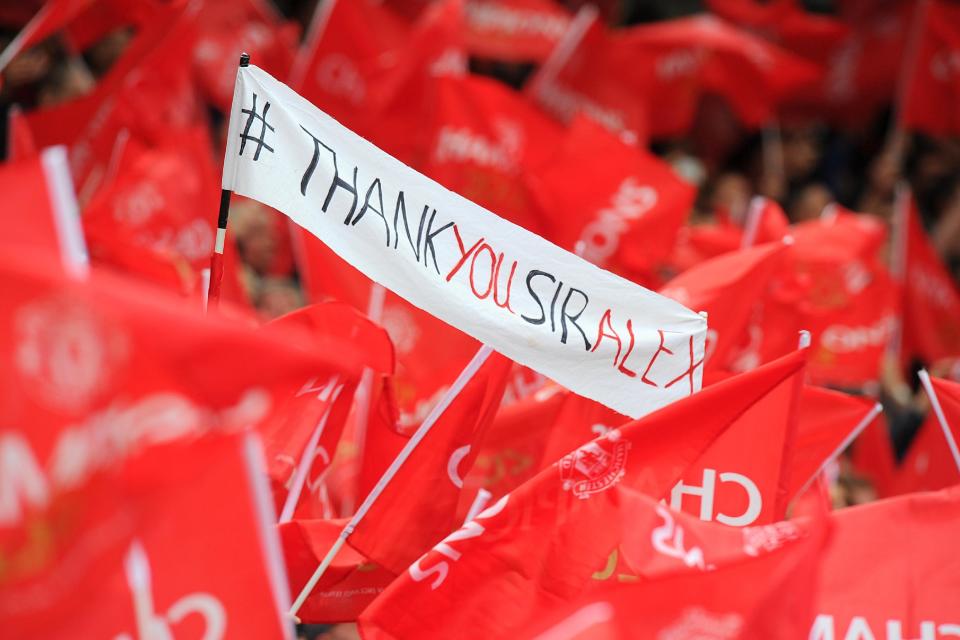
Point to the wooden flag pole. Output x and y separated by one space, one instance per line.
942 419
465 376
216 259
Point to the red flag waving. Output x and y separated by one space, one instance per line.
931 301
756 595
528 550
932 94
311 421
627 220
419 505
177 538
41 212
710 285
349 584
850 304
338 67
480 139
829 421
916 537
515 30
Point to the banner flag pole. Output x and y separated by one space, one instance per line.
216 258
465 376
942 419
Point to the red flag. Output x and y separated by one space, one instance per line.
349 584
931 302
480 138
528 549
755 596
710 286
515 30
429 352
933 91
829 421
227 29
107 350
318 410
927 465
850 300
142 92
160 199
338 67
916 537
533 433
948 396
42 213
673 63
173 539
873 457
20 144
627 220
418 506
51 18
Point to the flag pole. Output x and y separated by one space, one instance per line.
465 376
216 259
942 419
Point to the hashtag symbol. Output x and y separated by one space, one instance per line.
253 115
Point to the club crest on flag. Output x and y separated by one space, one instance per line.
66 353
596 466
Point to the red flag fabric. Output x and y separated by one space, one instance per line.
20 144
349 584
671 63
528 549
340 64
227 29
41 213
915 535
576 79
160 199
927 464
711 285
429 352
141 92
773 597
948 394
480 138
628 218
176 538
934 79
514 30
930 297
533 433
850 304
52 17
873 457
321 405
419 505
829 420
786 23
106 349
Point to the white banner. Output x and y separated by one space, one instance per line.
593 332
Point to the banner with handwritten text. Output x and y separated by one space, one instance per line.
601 336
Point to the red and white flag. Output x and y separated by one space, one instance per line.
528 551
916 536
173 539
933 87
